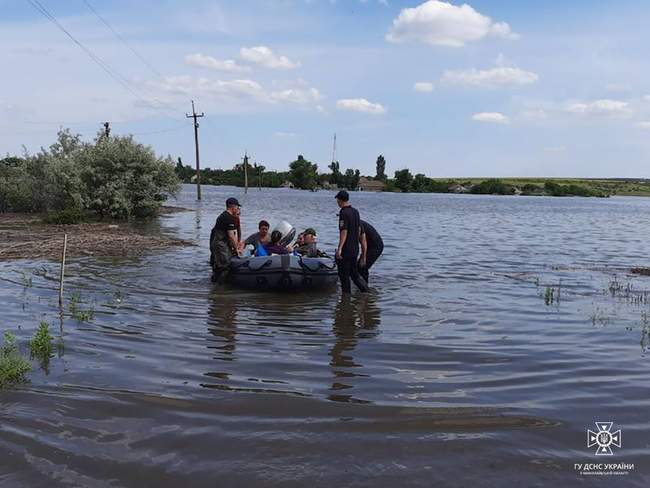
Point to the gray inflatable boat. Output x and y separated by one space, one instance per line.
283 272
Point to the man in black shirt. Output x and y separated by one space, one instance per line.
224 243
348 248
372 246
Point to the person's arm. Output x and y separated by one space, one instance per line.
232 237
343 232
343 235
364 249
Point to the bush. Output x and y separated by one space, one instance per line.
67 216
13 366
41 344
493 187
112 177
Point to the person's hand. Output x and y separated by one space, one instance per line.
337 255
290 248
240 246
362 262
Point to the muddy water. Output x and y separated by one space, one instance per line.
463 366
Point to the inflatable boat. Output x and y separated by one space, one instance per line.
282 272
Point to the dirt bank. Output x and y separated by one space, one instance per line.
24 236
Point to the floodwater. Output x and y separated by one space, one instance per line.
465 365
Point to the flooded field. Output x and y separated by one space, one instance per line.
498 331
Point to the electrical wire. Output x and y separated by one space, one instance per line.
113 73
123 41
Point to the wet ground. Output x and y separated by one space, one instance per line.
498 331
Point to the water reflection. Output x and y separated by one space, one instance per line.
354 318
222 323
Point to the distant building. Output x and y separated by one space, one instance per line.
456 188
370 185
286 184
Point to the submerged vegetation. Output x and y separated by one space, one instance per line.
41 344
77 313
13 366
113 177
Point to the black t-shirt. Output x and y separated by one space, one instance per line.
349 220
372 236
225 223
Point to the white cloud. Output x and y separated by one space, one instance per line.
266 57
555 149
237 90
297 95
282 134
443 24
360 105
600 108
491 117
646 98
643 125
187 85
500 76
423 86
203 61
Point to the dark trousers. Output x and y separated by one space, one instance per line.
371 257
347 267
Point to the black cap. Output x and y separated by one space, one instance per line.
343 195
232 202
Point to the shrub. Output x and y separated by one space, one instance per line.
13 366
41 344
493 187
113 177
65 217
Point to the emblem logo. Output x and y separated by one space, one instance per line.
604 438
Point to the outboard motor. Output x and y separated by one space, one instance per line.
287 230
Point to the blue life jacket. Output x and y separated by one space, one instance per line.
261 251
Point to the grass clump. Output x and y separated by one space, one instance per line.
13 366
77 313
41 344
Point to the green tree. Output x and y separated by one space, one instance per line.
421 184
381 168
403 179
125 179
336 177
351 179
303 174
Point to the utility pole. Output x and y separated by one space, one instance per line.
107 129
334 149
245 172
196 145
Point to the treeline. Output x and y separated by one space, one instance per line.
405 182
113 177
303 174
257 175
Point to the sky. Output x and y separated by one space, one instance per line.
449 89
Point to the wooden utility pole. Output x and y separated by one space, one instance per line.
245 172
196 145
107 129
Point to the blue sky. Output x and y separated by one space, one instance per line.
488 88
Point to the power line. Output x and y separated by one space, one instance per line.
123 41
113 73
